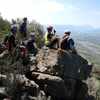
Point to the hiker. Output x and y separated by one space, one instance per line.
68 43
50 39
9 41
31 45
14 26
23 29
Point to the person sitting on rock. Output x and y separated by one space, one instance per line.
31 45
68 43
50 39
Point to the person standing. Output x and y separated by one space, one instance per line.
14 27
23 29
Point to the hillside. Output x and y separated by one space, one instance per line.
90 51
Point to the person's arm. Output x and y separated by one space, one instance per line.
64 37
35 45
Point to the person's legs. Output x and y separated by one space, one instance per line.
55 42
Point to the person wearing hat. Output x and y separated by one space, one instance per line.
14 26
50 39
67 43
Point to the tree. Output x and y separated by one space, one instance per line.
39 32
4 25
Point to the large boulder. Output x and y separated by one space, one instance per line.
52 85
62 63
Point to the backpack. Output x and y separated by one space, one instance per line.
67 43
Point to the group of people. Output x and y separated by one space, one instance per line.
66 43
50 39
10 38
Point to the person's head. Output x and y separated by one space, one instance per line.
32 35
67 32
13 21
49 28
25 19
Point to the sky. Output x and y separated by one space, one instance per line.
62 12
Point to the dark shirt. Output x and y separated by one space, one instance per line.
23 29
30 45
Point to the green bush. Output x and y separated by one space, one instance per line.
4 25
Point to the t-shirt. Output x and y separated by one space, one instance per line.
23 28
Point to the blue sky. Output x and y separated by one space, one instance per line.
73 12
81 12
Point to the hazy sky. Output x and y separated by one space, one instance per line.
73 12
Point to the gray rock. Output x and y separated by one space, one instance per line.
62 63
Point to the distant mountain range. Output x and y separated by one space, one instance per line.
78 30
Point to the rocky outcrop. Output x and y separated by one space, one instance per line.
62 63
55 74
